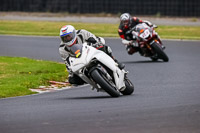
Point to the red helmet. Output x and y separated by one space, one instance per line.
126 19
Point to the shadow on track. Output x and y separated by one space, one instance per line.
146 61
90 97
85 98
94 97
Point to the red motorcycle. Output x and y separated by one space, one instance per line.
149 42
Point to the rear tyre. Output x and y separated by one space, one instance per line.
129 87
160 52
104 83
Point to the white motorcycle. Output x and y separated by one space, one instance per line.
99 70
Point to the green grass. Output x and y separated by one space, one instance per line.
52 28
45 28
19 74
179 32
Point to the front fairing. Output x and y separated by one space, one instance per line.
143 31
76 50
79 60
88 54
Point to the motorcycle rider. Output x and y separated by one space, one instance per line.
70 36
126 23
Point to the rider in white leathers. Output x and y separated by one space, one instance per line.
70 36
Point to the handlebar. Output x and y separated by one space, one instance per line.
132 29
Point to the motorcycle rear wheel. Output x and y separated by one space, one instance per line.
104 83
161 54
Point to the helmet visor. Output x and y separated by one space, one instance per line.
125 22
68 37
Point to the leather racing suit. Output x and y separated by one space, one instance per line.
127 39
82 37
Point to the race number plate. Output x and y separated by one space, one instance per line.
145 34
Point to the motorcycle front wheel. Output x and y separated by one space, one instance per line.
160 52
129 87
104 83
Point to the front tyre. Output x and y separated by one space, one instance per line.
160 52
129 87
154 59
104 83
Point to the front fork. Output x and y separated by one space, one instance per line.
158 40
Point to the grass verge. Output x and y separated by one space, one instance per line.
44 28
19 74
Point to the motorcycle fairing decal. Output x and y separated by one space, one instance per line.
141 30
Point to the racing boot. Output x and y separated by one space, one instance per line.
132 49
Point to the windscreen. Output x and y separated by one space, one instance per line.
76 50
139 28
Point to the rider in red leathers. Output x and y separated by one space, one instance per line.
126 23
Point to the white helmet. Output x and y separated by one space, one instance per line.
68 35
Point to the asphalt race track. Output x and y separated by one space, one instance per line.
166 98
